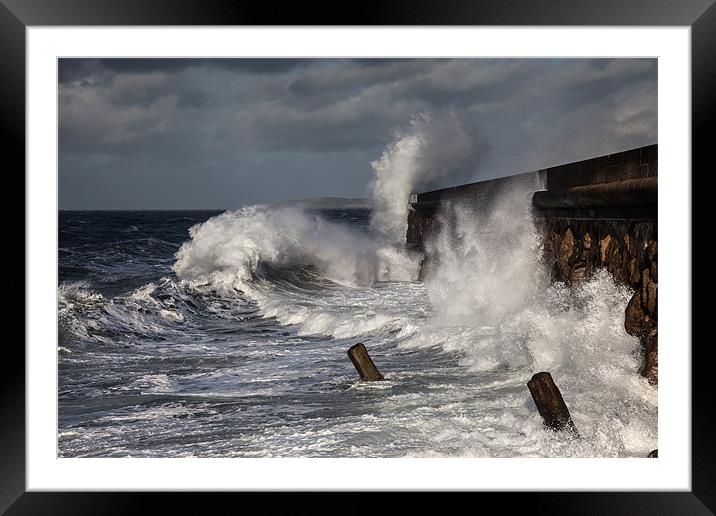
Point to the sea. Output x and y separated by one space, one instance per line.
225 334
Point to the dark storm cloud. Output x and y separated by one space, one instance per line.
211 121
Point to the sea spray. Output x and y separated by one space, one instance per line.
436 148
486 261
250 252
228 250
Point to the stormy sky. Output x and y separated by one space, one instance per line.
223 133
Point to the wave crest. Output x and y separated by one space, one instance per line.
229 250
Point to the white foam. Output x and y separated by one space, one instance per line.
89 316
79 309
227 250
489 264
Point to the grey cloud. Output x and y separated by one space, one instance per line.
342 106
164 116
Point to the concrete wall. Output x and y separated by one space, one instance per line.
631 164
596 213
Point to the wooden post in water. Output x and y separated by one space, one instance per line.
550 403
363 363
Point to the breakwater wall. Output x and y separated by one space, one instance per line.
595 213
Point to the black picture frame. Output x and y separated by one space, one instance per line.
17 15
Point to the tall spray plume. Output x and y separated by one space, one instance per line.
433 150
226 250
485 259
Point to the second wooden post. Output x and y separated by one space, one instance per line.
363 363
550 403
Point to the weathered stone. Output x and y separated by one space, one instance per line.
557 239
589 267
614 257
578 274
634 314
645 279
648 324
651 293
591 256
641 252
633 270
609 256
616 262
630 244
548 250
650 342
603 246
566 249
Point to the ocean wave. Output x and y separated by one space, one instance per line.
228 250
155 311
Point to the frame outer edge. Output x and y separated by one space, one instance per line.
12 135
12 104
703 113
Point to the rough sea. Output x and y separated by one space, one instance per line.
225 334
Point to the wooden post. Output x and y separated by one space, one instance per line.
550 403
363 363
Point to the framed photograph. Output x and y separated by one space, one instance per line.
414 250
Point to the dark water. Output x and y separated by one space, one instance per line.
117 251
